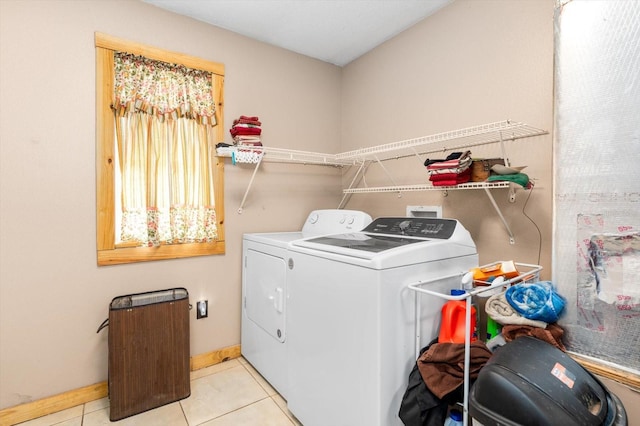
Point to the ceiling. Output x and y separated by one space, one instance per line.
334 31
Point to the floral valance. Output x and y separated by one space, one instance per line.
166 90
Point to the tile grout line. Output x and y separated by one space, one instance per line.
229 412
287 415
286 412
246 368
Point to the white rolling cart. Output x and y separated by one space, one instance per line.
527 273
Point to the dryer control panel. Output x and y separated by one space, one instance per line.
419 227
324 222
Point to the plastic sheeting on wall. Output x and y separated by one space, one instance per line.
597 177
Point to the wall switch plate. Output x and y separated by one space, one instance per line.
202 310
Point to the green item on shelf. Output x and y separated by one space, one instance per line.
519 178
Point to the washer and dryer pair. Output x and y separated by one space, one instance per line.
264 289
336 337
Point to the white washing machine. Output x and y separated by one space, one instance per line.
264 290
351 318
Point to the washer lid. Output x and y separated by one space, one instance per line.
407 240
387 233
278 239
361 241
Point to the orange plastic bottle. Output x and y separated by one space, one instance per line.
452 325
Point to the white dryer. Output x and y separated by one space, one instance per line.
351 318
264 290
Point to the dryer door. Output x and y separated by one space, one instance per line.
265 292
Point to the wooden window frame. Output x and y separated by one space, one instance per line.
107 251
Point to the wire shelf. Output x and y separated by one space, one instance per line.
271 154
447 141
461 139
427 187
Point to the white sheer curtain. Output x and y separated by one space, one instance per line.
164 140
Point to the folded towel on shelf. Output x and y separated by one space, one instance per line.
454 161
244 139
247 120
451 182
444 176
452 156
501 311
450 179
456 169
451 175
245 131
537 301
237 125
249 144
459 165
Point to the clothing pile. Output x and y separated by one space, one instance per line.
246 132
528 309
437 379
451 171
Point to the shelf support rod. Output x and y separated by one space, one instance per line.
504 222
415 152
504 151
512 192
246 193
360 172
387 173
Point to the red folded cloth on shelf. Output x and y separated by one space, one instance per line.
246 117
448 182
245 121
245 131
443 176
450 179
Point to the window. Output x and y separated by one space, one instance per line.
111 248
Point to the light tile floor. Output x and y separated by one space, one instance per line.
228 394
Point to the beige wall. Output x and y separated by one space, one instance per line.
473 62
52 294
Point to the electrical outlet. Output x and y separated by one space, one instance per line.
202 310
